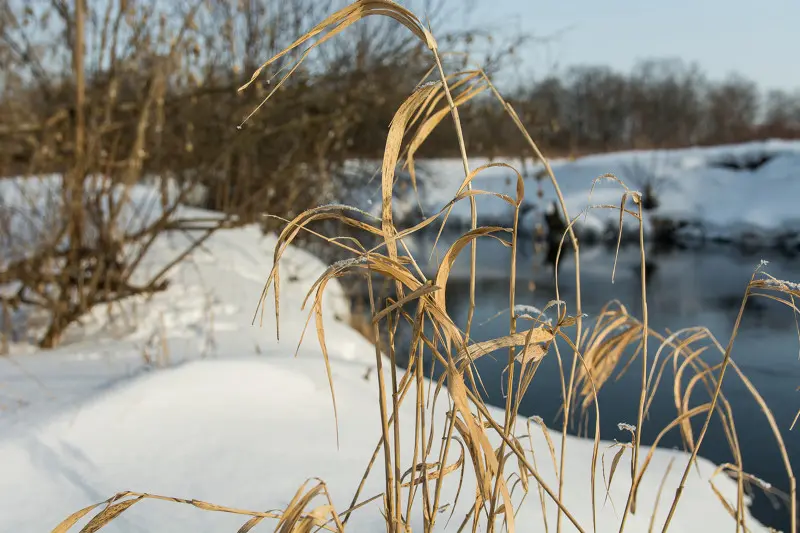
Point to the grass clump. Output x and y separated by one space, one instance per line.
487 445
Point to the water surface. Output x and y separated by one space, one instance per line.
684 288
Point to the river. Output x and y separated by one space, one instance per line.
685 288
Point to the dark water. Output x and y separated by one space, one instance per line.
685 288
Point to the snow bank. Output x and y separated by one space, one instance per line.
247 433
698 193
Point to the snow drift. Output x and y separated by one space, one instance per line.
234 419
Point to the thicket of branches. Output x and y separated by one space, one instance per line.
98 97
83 92
332 109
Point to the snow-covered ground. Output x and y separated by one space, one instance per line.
694 189
224 413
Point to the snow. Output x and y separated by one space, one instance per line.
181 396
248 432
31 207
693 190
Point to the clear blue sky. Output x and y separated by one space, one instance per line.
760 40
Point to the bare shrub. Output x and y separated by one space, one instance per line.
646 176
79 220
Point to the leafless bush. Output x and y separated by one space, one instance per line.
73 240
646 176
110 96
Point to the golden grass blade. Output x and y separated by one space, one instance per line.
501 433
391 326
335 24
67 524
394 141
451 255
726 504
539 487
420 422
250 524
603 357
427 127
414 295
715 398
550 445
295 520
466 185
658 495
324 348
480 449
286 237
680 398
507 506
529 338
108 514
72 519
433 470
345 17
614 464
779 438
294 503
385 417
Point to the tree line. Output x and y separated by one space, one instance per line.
661 103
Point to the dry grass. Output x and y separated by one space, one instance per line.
500 462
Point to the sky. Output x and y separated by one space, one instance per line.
758 40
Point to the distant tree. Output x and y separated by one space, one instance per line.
731 111
599 107
543 107
667 101
781 114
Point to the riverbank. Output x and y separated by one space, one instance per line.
742 195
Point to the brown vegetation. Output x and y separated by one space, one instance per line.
110 95
490 447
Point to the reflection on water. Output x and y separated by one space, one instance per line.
684 288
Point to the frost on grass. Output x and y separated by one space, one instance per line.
537 419
555 303
528 312
623 426
765 485
346 263
782 284
527 309
531 312
428 84
344 207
